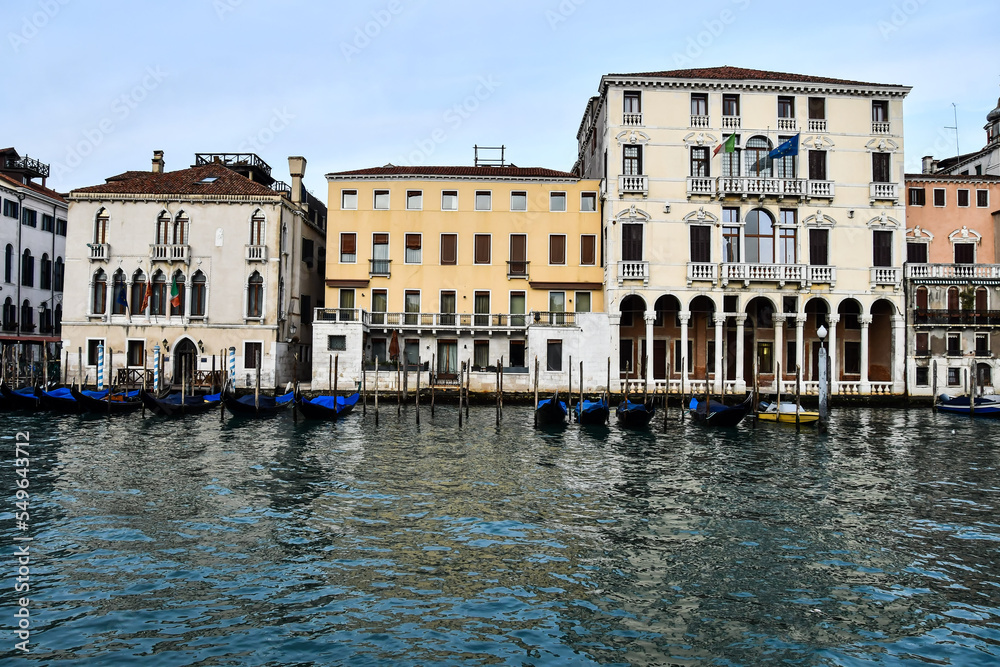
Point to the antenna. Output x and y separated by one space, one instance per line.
955 127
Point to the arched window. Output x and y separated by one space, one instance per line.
45 319
180 232
27 269
118 293
953 298
982 300
57 324
99 301
922 299
198 285
139 297
158 302
255 295
177 294
45 277
101 227
27 317
162 228
57 275
8 266
257 228
759 237
9 315
755 156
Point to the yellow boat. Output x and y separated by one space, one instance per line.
784 413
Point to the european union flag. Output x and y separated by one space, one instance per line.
790 147
121 300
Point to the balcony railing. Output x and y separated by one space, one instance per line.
632 119
517 269
820 188
633 271
38 169
779 273
787 124
633 185
887 275
817 125
822 274
256 253
976 318
699 185
553 318
702 271
168 252
881 127
757 186
953 271
884 191
99 252
699 121
379 267
731 122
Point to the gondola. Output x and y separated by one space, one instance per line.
109 404
19 399
172 405
62 400
592 412
715 413
326 407
550 411
784 412
256 406
985 406
634 415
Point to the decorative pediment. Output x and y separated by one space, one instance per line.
919 234
965 235
633 214
701 216
884 221
819 219
818 143
882 145
700 139
632 137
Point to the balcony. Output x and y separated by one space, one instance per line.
633 185
169 252
633 271
787 125
517 269
881 127
632 119
820 189
771 273
699 121
698 185
446 321
705 271
553 318
976 318
256 253
822 274
379 267
884 191
817 125
890 276
952 271
762 186
731 122
99 252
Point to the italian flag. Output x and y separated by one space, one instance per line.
727 146
175 294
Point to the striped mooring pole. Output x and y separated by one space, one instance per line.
156 368
100 367
232 366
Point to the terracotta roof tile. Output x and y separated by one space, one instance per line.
727 72
472 172
40 189
180 182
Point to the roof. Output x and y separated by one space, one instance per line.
180 182
35 187
729 73
936 176
484 173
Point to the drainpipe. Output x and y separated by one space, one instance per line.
17 278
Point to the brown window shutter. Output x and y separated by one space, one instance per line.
413 241
380 239
482 249
588 250
449 249
518 248
557 250
348 244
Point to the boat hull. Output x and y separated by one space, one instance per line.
192 405
265 406
550 411
16 400
719 415
105 406
593 412
788 418
984 407
312 410
634 415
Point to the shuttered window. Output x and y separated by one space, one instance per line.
881 248
817 165
819 240
482 249
588 250
880 167
631 243
449 249
557 249
701 250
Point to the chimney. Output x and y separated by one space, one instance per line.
157 162
297 169
925 164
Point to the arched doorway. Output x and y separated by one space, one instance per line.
984 377
880 343
848 355
701 338
759 354
185 358
817 314
666 328
631 336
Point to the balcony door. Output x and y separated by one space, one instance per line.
447 359
631 243
518 255
448 309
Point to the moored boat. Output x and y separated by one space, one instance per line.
62 400
984 406
634 415
714 413
551 411
177 405
326 407
592 412
19 399
784 412
113 404
256 406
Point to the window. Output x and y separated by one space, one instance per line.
101 227
921 298
518 305
11 208
158 302
308 252
252 354
701 239
699 104
411 306
179 232
27 316
923 344
256 229
631 243
414 200
922 377
557 306
557 249
449 200
817 108
163 228
817 165
982 344
880 111
939 197
518 264
380 254
381 202
29 217
9 315
789 366
99 301
917 197
730 105
787 166
336 343
93 350
348 248
631 160
699 162
140 296
632 101
679 357
177 294
786 107
448 308
952 298
954 377
582 303
481 249
588 201
411 351
916 252
881 248
349 200
755 156
28 269
519 201
731 161
380 303
45 275
588 250
481 354
852 357
346 304
730 235
963 198
449 249
48 222
58 271
954 344
8 266
787 246
819 247
255 295
199 284
557 202
965 253
553 355
484 200
765 356
481 304
759 237
880 167
136 353
981 297
413 252
516 354
982 198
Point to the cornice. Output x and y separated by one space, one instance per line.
739 85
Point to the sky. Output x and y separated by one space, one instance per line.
94 87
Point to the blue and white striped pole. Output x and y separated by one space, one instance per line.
156 368
100 367
232 365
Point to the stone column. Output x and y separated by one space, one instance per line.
800 321
741 384
779 355
650 318
684 316
865 387
898 354
719 377
832 350
614 326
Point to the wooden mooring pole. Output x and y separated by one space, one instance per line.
376 391
536 390
416 396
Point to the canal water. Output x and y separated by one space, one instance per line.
200 542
